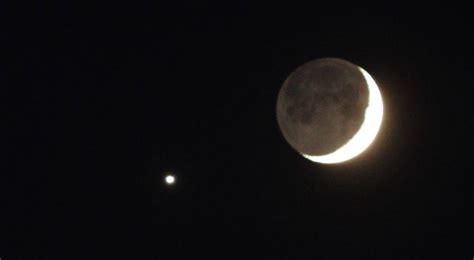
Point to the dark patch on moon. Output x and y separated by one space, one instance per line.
321 105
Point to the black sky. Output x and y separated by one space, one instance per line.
102 99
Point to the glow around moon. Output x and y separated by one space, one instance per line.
367 132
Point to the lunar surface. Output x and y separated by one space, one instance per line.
329 110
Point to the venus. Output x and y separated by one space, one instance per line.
329 110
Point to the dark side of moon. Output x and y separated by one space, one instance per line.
321 105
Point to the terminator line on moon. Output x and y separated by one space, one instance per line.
329 110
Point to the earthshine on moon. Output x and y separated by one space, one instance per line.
329 110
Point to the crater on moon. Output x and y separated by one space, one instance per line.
321 105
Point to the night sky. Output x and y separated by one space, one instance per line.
103 99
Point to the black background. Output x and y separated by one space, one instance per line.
103 99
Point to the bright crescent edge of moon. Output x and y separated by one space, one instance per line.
367 132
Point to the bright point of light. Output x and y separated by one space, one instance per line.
367 132
170 179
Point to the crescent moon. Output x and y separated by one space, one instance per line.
367 132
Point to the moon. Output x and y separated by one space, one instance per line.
329 110
170 179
